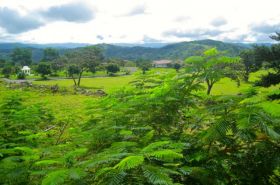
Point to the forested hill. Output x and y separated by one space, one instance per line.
171 51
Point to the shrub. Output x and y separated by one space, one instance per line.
274 95
268 80
21 75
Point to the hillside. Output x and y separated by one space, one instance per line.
172 51
130 52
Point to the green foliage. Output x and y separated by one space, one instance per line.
43 69
112 68
22 56
211 67
160 130
50 54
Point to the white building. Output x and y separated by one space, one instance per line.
26 70
162 63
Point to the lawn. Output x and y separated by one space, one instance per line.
108 84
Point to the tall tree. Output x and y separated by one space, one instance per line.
86 59
112 68
22 56
50 54
249 62
211 66
276 36
44 69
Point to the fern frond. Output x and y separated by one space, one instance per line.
155 175
165 155
55 178
47 162
148 136
151 147
130 162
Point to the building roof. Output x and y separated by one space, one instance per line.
25 68
162 62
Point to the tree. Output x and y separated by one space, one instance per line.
249 62
276 36
44 69
86 59
211 66
177 66
7 71
2 63
112 68
72 71
59 63
50 54
22 56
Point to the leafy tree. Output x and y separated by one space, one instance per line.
250 65
59 63
73 71
2 63
21 75
276 36
177 66
85 59
43 69
210 66
22 56
50 54
112 68
7 71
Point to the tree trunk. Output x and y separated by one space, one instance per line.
74 80
209 85
209 88
80 76
246 76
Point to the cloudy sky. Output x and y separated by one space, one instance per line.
137 21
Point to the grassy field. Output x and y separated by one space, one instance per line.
75 104
107 84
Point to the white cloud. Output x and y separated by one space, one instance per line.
137 20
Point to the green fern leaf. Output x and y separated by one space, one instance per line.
168 155
130 162
155 175
55 178
151 147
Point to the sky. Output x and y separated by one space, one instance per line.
137 21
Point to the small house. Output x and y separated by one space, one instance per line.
162 63
26 70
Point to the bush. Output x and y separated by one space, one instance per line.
268 80
274 95
21 75
112 68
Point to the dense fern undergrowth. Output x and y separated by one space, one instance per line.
160 130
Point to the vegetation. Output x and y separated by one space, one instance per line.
44 69
157 126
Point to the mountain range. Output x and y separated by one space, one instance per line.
146 51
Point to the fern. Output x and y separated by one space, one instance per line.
47 162
148 137
153 146
55 178
155 175
130 162
165 155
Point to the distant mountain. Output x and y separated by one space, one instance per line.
148 51
145 45
175 51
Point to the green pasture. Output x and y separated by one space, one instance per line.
107 84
